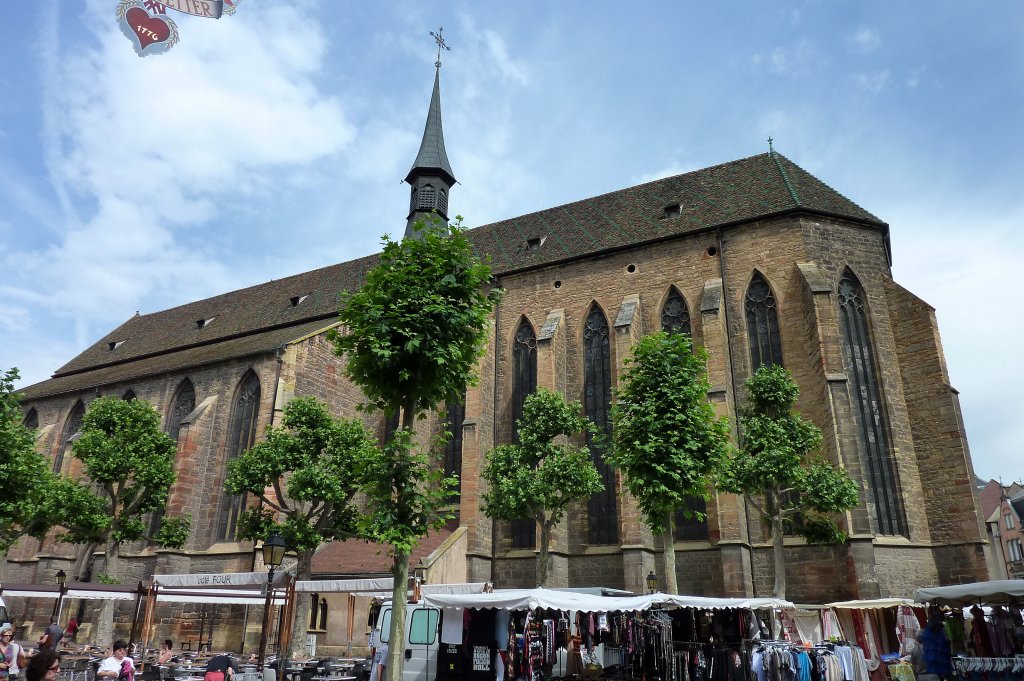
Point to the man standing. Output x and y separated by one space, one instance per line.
52 636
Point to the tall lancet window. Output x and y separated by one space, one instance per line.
524 383
675 318
456 415
71 428
762 324
865 390
31 419
597 401
241 436
182 404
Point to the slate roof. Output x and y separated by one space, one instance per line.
260 318
432 155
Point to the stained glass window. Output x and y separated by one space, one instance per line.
456 408
869 410
597 402
182 404
32 419
241 436
762 325
675 316
524 383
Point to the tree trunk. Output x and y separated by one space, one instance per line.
303 571
778 557
545 541
112 567
669 547
396 638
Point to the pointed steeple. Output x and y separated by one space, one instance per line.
431 175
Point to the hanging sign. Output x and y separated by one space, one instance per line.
146 24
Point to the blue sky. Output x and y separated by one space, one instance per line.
274 141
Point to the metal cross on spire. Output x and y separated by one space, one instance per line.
770 150
439 39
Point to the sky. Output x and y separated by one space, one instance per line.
274 141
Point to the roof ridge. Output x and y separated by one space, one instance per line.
785 178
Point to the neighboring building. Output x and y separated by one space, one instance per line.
1001 506
760 261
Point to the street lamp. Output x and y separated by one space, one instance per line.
61 578
273 555
652 582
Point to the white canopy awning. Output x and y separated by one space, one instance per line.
995 591
871 604
216 596
345 585
227 580
528 599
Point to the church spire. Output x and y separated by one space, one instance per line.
431 176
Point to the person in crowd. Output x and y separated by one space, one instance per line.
380 663
12 656
166 655
71 629
118 666
220 668
43 666
51 638
932 658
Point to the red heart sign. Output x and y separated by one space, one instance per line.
149 29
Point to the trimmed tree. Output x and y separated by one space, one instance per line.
305 475
415 333
775 469
26 473
537 479
130 462
667 440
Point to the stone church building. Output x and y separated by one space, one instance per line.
760 261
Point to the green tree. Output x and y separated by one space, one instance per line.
305 474
415 333
26 474
777 473
130 463
666 439
537 479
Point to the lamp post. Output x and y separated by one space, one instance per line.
61 578
273 555
652 582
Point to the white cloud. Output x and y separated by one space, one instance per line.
915 75
672 169
872 82
864 40
795 60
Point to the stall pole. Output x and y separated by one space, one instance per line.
133 634
147 619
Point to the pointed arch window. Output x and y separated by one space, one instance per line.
524 383
597 402
869 410
762 324
182 404
456 415
129 395
675 315
675 318
241 436
71 428
31 419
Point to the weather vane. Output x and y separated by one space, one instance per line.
439 39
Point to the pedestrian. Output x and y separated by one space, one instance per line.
932 658
220 668
52 636
43 666
71 629
12 655
166 652
380 663
118 666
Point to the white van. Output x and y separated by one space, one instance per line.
422 639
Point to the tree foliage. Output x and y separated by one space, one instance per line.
537 479
776 469
413 336
25 472
667 440
130 463
305 474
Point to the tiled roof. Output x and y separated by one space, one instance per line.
262 317
358 557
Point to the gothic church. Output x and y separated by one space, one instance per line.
760 261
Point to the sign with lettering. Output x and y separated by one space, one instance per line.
146 24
